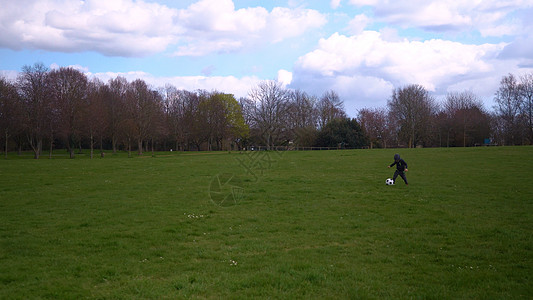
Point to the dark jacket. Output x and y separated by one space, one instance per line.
401 165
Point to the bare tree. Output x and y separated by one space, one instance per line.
68 89
375 125
467 121
508 106
32 85
116 109
302 118
193 119
95 118
526 91
412 109
329 107
10 111
173 113
270 105
143 106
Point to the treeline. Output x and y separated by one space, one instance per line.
44 109
414 118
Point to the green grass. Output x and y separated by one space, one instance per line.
317 224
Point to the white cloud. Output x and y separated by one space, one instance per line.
489 17
215 26
124 27
285 23
400 62
358 24
335 4
284 77
366 67
364 2
137 28
9 74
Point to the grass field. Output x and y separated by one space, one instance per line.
317 224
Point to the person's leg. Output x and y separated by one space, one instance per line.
403 177
395 176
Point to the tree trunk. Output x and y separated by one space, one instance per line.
40 147
140 147
5 153
92 145
101 145
114 144
129 148
51 147
36 146
70 148
37 150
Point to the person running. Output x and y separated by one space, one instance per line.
401 166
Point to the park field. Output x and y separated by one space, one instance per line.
269 224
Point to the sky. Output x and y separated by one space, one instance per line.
361 49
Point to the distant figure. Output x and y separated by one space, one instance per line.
102 154
401 166
170 150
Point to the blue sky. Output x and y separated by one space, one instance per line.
361 49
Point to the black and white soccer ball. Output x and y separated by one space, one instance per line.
389 181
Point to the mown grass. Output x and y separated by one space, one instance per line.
303 225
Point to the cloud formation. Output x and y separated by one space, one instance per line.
364 68
400 62
489 17
136 28
216 26
114 28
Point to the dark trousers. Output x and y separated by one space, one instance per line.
401 173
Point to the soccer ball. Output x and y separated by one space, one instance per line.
389 181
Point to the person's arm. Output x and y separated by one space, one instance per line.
390 166
405 165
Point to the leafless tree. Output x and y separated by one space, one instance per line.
173 111
468 122
526 91
508 108
116 107
32 86
68 89
270 111
302 118
374 123
95 118
329 107
143 106
412 109
186 112
10 111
